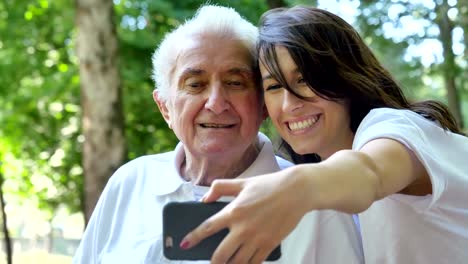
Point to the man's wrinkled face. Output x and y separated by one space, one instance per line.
214 106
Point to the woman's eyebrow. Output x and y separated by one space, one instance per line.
267 77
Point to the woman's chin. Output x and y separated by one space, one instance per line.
301 150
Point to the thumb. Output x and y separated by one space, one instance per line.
220 188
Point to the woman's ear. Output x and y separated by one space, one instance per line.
161 103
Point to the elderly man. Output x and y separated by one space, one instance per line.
207 91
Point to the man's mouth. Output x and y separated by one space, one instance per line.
213 125
303 124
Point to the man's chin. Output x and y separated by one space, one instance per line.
222 149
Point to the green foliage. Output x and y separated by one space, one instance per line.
419 81
40 103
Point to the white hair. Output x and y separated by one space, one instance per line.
209 19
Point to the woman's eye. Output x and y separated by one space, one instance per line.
273 87
301 80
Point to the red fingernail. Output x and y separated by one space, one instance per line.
184 244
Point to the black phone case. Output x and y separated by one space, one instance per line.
179 218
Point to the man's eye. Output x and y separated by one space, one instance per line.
235 84
194 85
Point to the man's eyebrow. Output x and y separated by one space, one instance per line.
192 72
240 70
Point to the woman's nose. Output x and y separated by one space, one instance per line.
291 102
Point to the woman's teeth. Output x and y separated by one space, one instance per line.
295 126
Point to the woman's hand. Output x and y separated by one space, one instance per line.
266 210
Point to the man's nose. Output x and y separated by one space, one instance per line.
218 100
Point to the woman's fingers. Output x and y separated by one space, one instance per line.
255 249
223 188
252 217
227 249
231 251
218 221
260 256
252 251
243 255
209 227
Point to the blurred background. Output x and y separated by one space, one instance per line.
76 103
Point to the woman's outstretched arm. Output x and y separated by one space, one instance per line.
268 207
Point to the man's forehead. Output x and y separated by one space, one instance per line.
204 53
202 45
199 62
200 54
230 69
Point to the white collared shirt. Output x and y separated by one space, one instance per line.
126 225
418 229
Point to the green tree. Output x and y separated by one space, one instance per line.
379 19
104 146
39 109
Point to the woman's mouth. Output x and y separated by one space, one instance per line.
303 124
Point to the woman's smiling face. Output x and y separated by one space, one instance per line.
314 125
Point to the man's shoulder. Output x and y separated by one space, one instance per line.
283 163
164 157
145 161
142 166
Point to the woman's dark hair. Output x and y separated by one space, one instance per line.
337 65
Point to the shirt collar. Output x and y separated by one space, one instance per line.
169 179
265 161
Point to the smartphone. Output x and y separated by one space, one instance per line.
179 218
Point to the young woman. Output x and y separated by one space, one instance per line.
403 166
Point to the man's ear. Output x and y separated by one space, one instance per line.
162 107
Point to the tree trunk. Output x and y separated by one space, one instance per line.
462 6
449 66
104 147
463 9
6 233
50 236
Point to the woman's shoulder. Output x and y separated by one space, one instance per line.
392 114
402 124
389 120
441 152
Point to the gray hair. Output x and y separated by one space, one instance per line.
209 19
